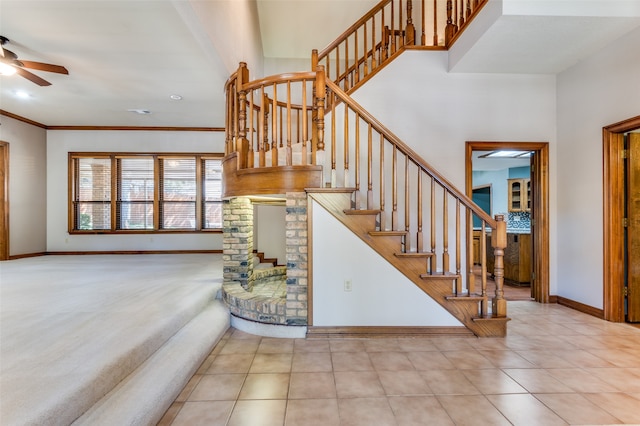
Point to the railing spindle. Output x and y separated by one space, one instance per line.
458 253
289 155
382 186
369 167
407 206
394 189
357 160
499 242
445 231
346 147
419 236
274 126
434 259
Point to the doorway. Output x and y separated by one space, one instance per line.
621 227
4 200
538 204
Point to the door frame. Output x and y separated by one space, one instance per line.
540 204
4 204
613 217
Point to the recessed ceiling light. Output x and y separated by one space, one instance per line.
139 111
507 154
175 97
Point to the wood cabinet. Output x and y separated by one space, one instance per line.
517 258
519 195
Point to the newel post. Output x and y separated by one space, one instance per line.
499 243
242 144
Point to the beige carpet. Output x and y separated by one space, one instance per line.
74 327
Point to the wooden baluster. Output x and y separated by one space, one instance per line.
410 31
462 20
321 93
298 127
483 267
252 130
419 236
345 138
280 126
382 187
333 140
373 42
394 189
499 243
230 119
385 40
357 160
261 124
305 124
356 63
458 253
434 259
407 205
435 22
274 126
347 73
398 33
445 231
289 155
471 281
423 34
468 10
365 40
393 28
369 167
449 30
243 75
337 77
267 103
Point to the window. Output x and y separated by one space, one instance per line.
144 192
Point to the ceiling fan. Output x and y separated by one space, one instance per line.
10 59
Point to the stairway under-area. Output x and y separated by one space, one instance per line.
467 308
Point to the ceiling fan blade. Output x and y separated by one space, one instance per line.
32 77
44 67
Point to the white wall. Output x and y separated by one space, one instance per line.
61 142
270 231
380 295
602 90
436 112
27 186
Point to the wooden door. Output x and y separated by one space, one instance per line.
4 201
633 228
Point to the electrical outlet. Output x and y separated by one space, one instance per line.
347 285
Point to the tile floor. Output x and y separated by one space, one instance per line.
556 366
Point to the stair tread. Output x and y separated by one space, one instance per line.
331 190
387 233
414 254
361 211
464 297
440 275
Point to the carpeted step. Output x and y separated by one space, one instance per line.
143 397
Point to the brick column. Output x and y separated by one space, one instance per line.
237 241
297 266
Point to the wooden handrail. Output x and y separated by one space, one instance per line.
405 149
386 29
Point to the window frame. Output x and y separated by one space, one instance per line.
115 201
